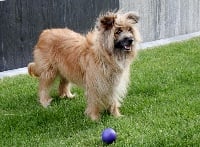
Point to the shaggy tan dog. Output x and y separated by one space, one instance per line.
98 62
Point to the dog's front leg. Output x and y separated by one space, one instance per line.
93 112
93 108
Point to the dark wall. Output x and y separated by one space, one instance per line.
21 21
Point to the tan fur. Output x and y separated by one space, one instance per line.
88 61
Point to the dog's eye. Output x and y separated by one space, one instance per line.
118 31
130 29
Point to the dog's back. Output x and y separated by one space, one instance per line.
60 52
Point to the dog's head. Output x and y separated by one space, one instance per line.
118 31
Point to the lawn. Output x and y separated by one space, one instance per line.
162 107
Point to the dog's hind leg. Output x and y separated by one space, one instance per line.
45 81
64 88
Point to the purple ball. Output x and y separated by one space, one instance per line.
109 135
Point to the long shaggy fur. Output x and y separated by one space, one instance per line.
99 62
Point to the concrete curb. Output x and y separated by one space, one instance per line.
145 45
14 72
169 40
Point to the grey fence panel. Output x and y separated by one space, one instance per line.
165 18
21 21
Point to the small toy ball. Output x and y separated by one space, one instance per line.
108 136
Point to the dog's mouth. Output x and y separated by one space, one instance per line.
124 44
127 47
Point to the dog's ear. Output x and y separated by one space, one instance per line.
133 17
107 21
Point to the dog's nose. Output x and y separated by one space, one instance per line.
129 40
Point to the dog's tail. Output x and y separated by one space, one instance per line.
32 70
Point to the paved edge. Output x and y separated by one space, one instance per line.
10 73
179 38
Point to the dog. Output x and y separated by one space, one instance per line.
99 61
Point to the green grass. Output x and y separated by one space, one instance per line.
162 107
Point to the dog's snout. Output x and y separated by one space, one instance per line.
128 39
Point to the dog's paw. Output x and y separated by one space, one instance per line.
92 116
45 103
115 112
68 95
